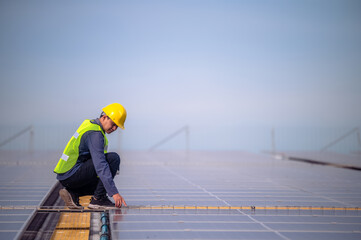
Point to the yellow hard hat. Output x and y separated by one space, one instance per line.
117 113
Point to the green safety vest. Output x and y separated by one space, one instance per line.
71 151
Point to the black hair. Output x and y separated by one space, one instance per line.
103 114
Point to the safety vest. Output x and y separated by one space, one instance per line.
71 151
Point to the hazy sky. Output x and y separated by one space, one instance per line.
210 63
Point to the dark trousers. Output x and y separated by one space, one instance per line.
85 180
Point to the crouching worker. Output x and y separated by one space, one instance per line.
86 168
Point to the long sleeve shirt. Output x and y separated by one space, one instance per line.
92 146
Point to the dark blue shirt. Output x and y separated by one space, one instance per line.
92 146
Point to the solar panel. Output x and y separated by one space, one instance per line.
22 188
230 224
207 195
183 198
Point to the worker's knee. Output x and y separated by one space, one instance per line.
114 160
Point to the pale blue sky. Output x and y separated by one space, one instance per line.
202 63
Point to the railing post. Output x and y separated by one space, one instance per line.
31 141
339 139
359 143
187 142
182 129
273 140
30 128
358 139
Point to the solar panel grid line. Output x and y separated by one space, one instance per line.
18 200
23 188
211 194
195 229
265 226
227 231
28 207
27 221
195 185
22 193
327 198
239 231
7 196
11 222
309 193
169 221
167 189
235 199
282 226
190 230
25 183
234 213
315 231
257 211
311 223
9 215
199 235
309 214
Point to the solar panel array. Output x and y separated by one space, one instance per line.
171 193
233 224
206 195
22 188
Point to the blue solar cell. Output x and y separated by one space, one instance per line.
10 225
4 198
15 211
315 226
8 235
322 235
11 218
184 225
308 219
248 181
19 202
21 187
194 235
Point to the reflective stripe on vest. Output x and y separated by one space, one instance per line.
71 151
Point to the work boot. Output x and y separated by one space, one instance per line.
71 199
101 203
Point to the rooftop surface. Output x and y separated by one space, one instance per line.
187 196
205 195
25 180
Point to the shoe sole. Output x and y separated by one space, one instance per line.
65 195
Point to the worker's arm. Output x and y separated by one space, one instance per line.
95 143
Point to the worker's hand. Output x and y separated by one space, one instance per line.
119 200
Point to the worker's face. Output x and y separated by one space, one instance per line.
108 125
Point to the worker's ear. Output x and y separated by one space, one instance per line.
102 118
105 117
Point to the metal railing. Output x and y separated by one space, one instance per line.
184 129
354 130
20 133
